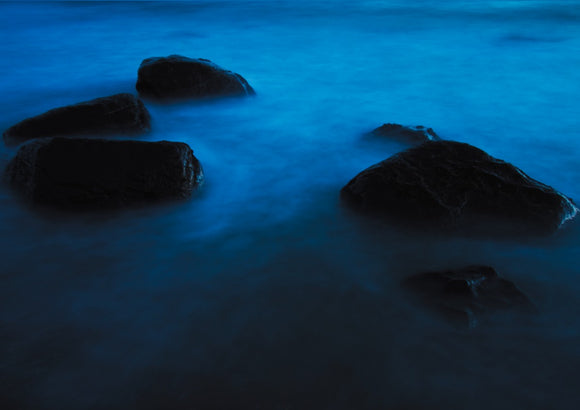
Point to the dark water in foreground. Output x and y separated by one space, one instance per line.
261 292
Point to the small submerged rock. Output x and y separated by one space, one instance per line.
456 186
178 77
115 114
463 296
84 173
408 134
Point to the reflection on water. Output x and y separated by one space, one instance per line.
261 291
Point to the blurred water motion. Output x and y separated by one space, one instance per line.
262 292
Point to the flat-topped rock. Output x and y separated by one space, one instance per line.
453 185
85 173
121 114
411 134
178 77
465 295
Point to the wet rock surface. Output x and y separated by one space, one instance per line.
178 77
72 173
463 296
409 134
116 114
452 185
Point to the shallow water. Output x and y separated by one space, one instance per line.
261 291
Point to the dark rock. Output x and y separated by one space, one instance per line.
464 296
409 134
178 77
86 173
116 114
456 186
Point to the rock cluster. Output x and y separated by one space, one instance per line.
437 184
83 173
453 186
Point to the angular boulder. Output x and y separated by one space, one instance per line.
452 185
406 133
85 173
178 77
117 114
464 296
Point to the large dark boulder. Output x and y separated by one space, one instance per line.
88 173
117 114
464 296
456 186
406 133
178 77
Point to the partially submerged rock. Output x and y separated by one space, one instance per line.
75 173
116 114
408 134
178 77
454 185
464 296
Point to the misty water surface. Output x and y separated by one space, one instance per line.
261 291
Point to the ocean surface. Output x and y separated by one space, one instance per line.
262 291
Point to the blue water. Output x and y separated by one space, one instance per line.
261 292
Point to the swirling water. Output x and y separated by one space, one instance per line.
261 291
